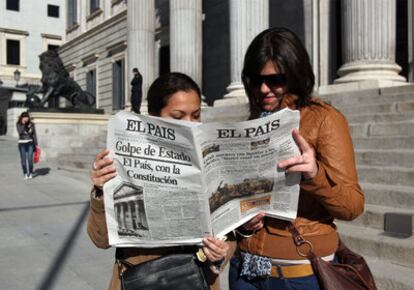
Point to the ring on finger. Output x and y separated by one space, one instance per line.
94 166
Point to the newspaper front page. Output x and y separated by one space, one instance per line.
240 169
157 198
179 181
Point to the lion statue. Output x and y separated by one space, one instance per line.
57 83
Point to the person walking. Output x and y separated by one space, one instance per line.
27 143
136 91
277 74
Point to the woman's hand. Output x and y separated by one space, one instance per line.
255 223
305 163
215 249
103 169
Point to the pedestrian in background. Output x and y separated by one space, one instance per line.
27 143
136 91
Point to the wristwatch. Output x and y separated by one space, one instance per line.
96 192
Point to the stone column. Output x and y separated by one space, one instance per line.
122 214
186 37
141 44
410 40
247 19
368 41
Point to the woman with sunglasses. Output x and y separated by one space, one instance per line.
277 74
172 96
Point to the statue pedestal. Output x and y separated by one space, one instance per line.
13 115
70 110
65 137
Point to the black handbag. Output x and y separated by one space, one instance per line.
170 272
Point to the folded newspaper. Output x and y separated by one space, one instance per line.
178 181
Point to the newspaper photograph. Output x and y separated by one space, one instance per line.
178 181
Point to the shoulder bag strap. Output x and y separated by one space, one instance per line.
304 248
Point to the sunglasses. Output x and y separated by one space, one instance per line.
273 80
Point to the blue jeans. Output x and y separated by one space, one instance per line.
26 156
242 283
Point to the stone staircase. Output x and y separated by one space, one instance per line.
382 127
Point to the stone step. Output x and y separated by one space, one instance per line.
389 157
73 141
75 164
371 96
386 175
81 156
373 243
221 113
382 118
379 108
357 96
381 142
396 90
383 129
82 161
389 195
364 100
390 275
373 216
82 150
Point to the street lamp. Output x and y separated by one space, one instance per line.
17 74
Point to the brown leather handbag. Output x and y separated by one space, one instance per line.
349 272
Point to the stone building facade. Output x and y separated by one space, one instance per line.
353 44
28 28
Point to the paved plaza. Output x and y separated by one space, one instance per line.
43 239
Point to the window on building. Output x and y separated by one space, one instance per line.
13 52
52 47
53 11
118 85
91 82
12 5
94 5
72 12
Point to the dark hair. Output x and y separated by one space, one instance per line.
135 70
165 86
23 115
282 47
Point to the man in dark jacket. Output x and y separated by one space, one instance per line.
136 91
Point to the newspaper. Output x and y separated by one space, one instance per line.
178 181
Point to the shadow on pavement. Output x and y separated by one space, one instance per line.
57 265
42 206
42 171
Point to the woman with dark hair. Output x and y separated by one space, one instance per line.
27 143
173 96
171 89
277 74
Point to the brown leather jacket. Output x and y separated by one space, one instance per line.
333 193
98 233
